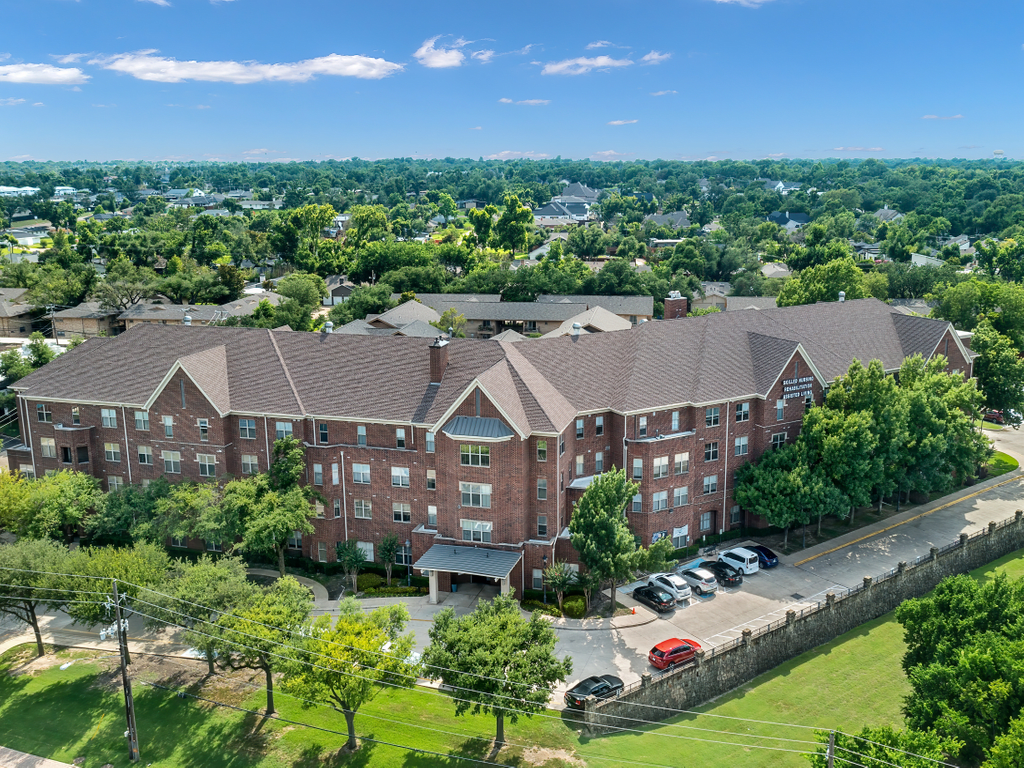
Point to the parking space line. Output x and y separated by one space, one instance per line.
767 618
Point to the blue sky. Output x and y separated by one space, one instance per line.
607 79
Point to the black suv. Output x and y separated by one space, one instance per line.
725 574
602 687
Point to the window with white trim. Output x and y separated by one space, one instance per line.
250 464
660 501
542 526
207 464
431 479
741 446
735 515
598 462
142 421
475 455
335 477
361 474
780 410
282 429
682 462
542 450
367 547
319 507
681 496
108 417
660 467
638 469
324 436
711 451
204 430
711 416
168 422
214 546
247 429
28 471
579 466
48 447
742 412
146 455
476 530
642 426
318 474
76 415
401 512
114 484
542 489
321 551
475 495
177 541
337 508
538 579
705 521
112 451
579 429
561 444
363 509
400 477
403 556
778 440
680 538
172 462
400 437
361 436
295 540
638 503
43 413
675 421
710 484
599 425
431 516
430 442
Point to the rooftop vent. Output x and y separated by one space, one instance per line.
188 320
576 327
328 327
842 296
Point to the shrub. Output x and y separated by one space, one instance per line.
366 581
393 592
574 607
537 605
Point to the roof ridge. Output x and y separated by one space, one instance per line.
287 373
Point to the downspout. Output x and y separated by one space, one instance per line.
625 424
28 432
344 496
266 439
725 480
127 448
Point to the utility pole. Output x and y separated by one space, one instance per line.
51 308
831 754
121 627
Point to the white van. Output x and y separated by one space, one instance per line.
743 560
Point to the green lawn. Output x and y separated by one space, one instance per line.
1001 463
989 425
854 681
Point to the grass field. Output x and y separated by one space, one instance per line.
854 681
1001 463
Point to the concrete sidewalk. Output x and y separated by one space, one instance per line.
10 758
319 590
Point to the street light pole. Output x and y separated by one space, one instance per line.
544 581
408 563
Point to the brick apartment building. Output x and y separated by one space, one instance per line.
473 451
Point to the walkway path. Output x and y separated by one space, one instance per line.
10 758
319 590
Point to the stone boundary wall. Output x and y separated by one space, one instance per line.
721 669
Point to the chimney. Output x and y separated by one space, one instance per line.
576 327
842 296
187 320
438 359
328 327
675 306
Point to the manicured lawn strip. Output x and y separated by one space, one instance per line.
1001 463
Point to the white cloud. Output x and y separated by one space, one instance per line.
11 102
39 104
940 117
663 93
22 157
582 64
157 2
41 74
526 102
598 44
477 128
622 122
483 56
143 65
505 101
260 151
857 149
656 57
104 106
609 154
440 58
510 155
777 154
68 58
746 3
75 89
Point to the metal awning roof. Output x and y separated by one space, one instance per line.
475 561
477 426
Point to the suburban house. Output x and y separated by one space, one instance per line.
789 221
635 309
782 187
413 328
776 269
592 320
200 314
673 220
88 319
888 215
339 289
578 191
261 205
922 260
469 451
15 317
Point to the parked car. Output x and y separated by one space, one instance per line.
724 573
741 559
603 687
995 416
669 653
671 583
765 557
700 580
655 597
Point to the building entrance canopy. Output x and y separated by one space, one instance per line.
472 561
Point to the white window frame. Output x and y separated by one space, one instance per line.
108 417
431 517
779 439
659 501
638 469
250 464
598 462
475 455
476 492
361 474
711 451
542 527
682 462
741 446
660 467
43 413
145 453
735 515
712 416
168 422
363 509
321 551
780 410
579 429
430 442
295 541
282 429
642 426
174 459
48 448
705 521
599 425
204 430
324 433
476 530
538 579
361 435
681 496
542 450
401 512
399 477
579 466
318 474
367 547
337 508
710 484
114 483
207 464
142 421
638 503
675 421
399 437
542 489
247 429
112 452
335 476
431 479
742 412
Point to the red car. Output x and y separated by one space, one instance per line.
994 416
669 653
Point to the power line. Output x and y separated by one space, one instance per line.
894 749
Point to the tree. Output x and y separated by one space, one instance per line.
125 285
310 221
388 549
187 510
305 288
365 300
269 517
482 220
599 530
194 595
57 504
511 228
368 223
586 242
1008 748
261 633
842 446
495 661
823 283
885 746
451 318
345 665
28 585
446 206
560 578
999 370
351 558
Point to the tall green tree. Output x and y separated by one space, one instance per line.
125 285
512 226
482 220
28 586
842 447
495 661
559 577
823 283
999 370
346 664
387 549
